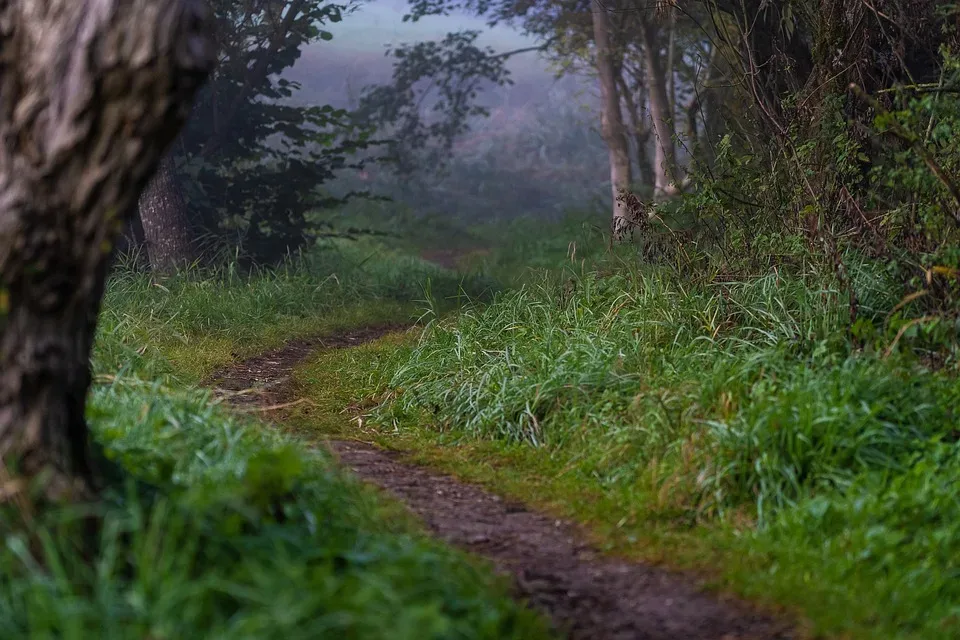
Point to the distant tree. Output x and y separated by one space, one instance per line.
660 85
637 50
92 93
249 165
433 98
612 128
165 220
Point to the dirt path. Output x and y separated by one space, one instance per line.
584 593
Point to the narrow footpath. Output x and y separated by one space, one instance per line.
586 595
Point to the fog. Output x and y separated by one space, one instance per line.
539 153
330 71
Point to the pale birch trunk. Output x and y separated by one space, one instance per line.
640 133
611 121
665 156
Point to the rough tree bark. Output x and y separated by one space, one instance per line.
611 121
166 223
91 93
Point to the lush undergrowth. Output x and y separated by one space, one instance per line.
733 418
199 320
216 527
241 534
506 253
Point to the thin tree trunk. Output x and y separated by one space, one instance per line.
670 71
699 108
133 236
641 135
712 108
665 157
166 222
91 92
611 122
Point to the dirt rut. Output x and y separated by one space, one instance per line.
588 596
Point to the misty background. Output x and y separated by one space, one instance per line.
538 153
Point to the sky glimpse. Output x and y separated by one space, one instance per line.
334 71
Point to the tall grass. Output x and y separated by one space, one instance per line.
522 250
713 400
203 318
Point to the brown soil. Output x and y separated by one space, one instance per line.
265 381
588 596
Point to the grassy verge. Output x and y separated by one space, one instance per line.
191 324
218 527
724 426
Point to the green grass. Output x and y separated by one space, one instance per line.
728 427
245 535
213 526
505 253
524 249
725 426
397 227
197 321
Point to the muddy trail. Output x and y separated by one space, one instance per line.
586 595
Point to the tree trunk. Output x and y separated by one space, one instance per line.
665 157
702 107
670 71
166 223
91 92
611 122
640 133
